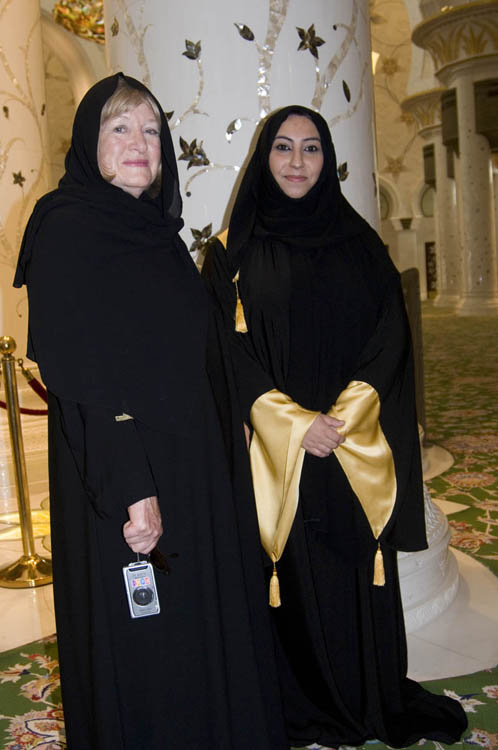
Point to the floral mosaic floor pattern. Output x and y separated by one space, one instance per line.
461 371
461 376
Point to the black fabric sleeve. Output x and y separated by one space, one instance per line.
387 365
251 379
110 457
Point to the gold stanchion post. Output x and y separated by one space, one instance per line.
30 569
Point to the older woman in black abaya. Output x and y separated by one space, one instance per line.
118 325
319 352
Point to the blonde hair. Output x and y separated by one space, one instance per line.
124 99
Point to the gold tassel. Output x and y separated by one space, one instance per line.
274 589
240 320
379 573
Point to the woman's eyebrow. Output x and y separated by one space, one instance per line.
311 138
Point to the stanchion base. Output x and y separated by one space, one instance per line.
10 528
27 572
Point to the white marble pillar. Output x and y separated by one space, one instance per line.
24 167
462 41
495 196
221 66
449 272
409 252
479 273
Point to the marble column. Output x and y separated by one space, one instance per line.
409 253
219 67
479 280
495 195
24 169
449 275
463 44
425 107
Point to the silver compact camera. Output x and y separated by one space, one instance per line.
141 589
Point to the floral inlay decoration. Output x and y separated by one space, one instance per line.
389 66
309 40
200 236
395 165
193 49
19 178
342 171
232 128
244 31
193 154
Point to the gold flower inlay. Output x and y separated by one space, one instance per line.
389 66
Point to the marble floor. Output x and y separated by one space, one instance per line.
462 640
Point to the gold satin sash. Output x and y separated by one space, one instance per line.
277 457
276 462
365 455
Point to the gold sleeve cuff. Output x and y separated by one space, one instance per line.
277 457
365 455
276 462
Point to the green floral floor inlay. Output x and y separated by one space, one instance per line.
30 699
461 373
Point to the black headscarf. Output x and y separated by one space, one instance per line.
320 218
280 244
116 308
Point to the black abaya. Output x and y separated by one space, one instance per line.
119 327
323 308
199 675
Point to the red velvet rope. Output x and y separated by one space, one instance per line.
23 410
33 382
37 387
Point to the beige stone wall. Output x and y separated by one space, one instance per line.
399 147
60 112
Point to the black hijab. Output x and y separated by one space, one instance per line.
322 217
295 257
116 308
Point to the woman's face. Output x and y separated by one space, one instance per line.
296 156
129 148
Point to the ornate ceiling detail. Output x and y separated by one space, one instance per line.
86 19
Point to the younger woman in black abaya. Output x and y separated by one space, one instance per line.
321 357
118 325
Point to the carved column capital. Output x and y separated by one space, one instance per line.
425 108
460 33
